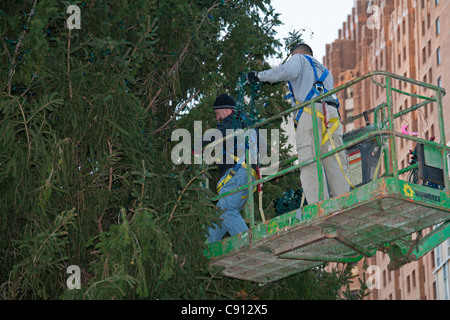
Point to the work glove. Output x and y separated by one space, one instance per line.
252 78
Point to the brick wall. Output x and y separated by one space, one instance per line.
411 36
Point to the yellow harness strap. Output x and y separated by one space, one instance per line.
327 134
231 175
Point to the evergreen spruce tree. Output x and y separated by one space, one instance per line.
86 115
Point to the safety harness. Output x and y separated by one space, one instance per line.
318 89
239 163
327 132
232 173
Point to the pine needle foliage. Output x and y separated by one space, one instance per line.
86 115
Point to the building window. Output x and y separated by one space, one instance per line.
434 291
438 54
438 256
349 93
438 26
445 285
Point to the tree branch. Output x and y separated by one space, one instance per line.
68 65
18 45
164 126
182 55
182 193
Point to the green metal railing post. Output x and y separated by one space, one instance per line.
443 140
441 118
250 201
393 166
317 150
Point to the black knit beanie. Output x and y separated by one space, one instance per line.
224 102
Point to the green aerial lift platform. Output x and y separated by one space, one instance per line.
383 213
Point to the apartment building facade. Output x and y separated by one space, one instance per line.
410 38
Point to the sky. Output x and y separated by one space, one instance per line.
323 17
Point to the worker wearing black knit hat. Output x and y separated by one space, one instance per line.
224 102
223 107
231 177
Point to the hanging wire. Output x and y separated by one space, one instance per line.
249 113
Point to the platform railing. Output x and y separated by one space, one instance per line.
384 117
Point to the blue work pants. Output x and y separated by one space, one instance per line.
233 223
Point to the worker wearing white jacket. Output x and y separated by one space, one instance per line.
308 79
